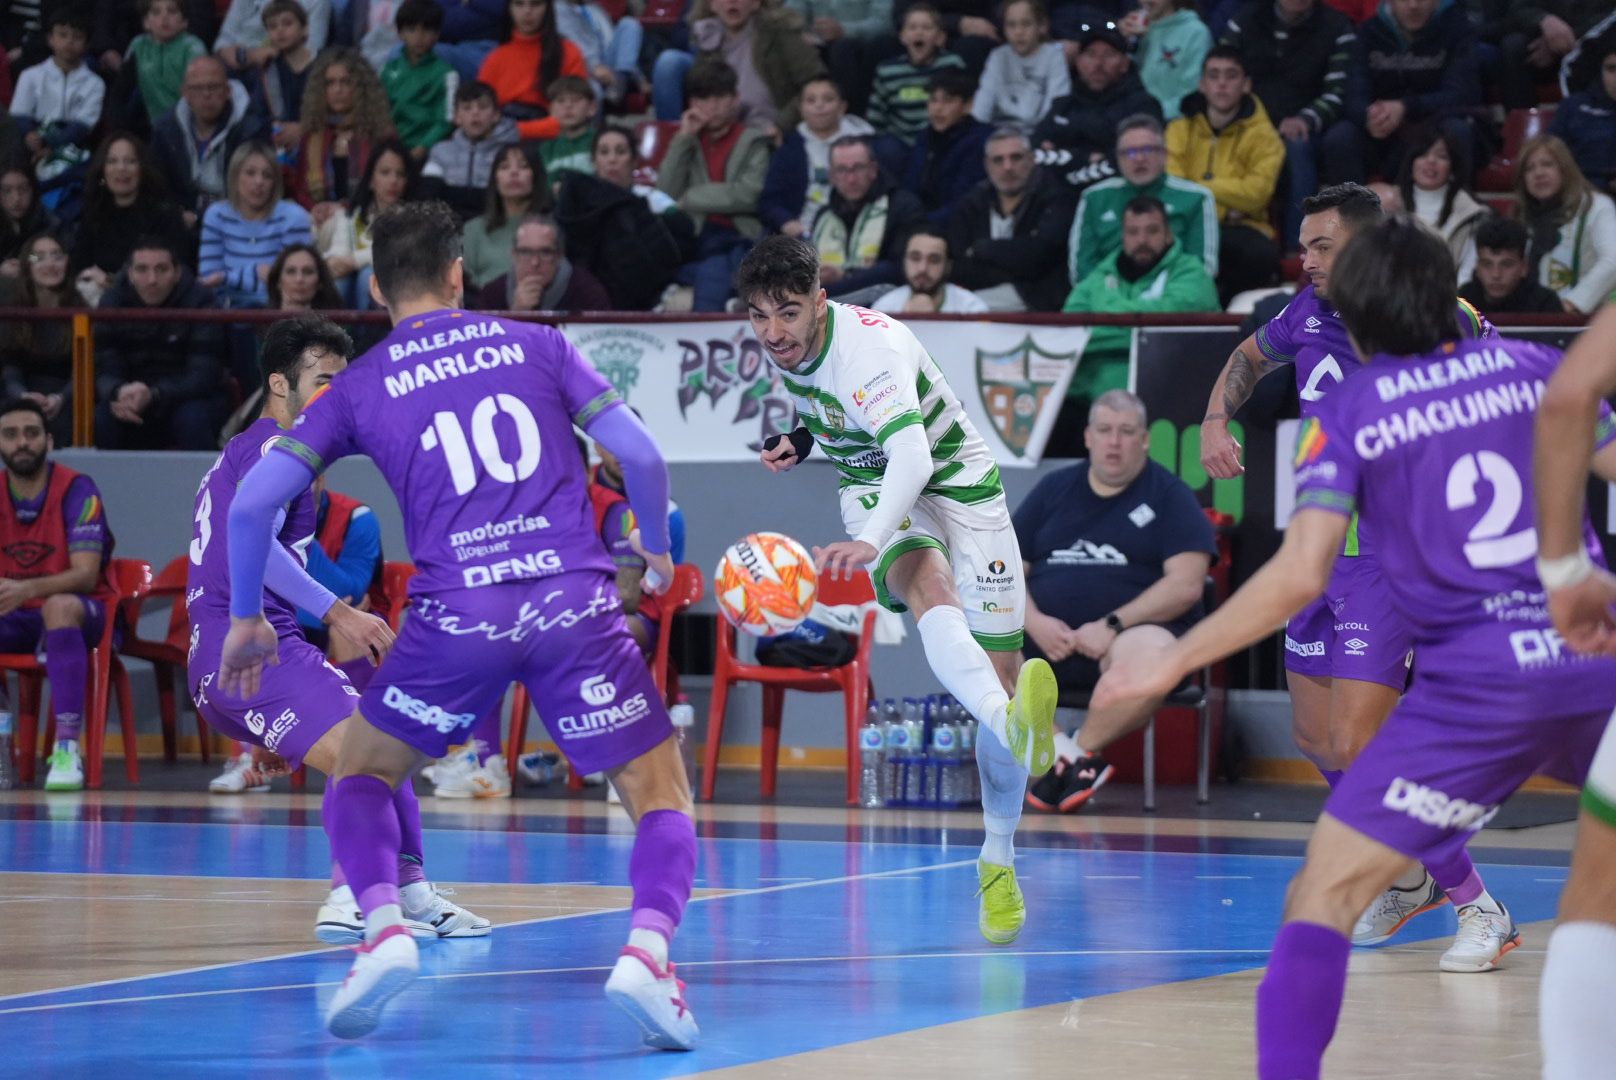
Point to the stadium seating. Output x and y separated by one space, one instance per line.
167 655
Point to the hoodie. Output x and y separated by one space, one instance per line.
199 181
1434 73
458 168
798 183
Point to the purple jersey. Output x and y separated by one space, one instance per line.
1435 453
207 582
470 419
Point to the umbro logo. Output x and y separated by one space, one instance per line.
1356 646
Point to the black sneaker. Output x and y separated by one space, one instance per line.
1083 778
1046 791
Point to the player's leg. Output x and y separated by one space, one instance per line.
69 619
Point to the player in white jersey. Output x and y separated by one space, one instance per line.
922 502
1579 974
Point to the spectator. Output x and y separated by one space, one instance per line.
533 56
860 235
1149 273
156 60
1302 58
901 94
969 25
58 103
1104 578
195 140
1008 236
1142 158
36 358
611 50
1526 42
1172 47
420 84
765 45
1082 127
119 22
344 240
798 182
1573 226
458 168
1433 185
946 160
344 115
572 103
299 280
1421 67
160 384
1225 141
1503 282
21 215
541 277
242 234
517 186
926 287
853 37
715 169
54 550
1027 74
243 42
1586 123
125 199
284 77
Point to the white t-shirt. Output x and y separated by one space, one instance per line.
956 301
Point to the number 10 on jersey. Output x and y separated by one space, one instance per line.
446 433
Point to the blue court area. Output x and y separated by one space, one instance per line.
828 935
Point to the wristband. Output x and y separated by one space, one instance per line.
1565 571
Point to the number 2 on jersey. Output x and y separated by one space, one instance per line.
447 433
1488 548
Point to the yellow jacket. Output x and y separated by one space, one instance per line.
1240 164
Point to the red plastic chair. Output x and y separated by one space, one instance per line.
105 674
167 656
396 584
851 680
652 139
1519 125
687 588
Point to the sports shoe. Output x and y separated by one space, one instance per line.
66 767
654 998
340 922
1003 912
540 767
492 779
444 918
1083 778
1029 722
1044 794
451 775
379 972
1483 939
1395 907
239 775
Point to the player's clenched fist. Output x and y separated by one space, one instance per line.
782 452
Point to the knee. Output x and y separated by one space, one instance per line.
1136 639
61 610
1322 893
1317 748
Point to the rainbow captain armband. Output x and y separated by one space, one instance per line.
802 442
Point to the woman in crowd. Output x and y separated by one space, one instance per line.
36 358
533 56
1573 226
345 114
1434 184
21 215
517 185
125 198
299 280
344 239
243 233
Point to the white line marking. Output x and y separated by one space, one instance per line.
1110 877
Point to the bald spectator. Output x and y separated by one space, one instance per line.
193 141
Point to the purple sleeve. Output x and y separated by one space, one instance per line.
1276 339
85 516
325 428
289 579
584 390
1327 467
645 474
268 486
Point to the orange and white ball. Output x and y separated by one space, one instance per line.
765 584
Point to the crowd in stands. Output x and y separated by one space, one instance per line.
942 155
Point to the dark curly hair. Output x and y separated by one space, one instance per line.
778 267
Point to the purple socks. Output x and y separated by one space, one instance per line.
410 850
65 662
363 826
1299 1001
1457 877
661 870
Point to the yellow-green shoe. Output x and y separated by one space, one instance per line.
1029 723
1003 912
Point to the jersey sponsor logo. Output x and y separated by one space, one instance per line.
595 690
1537 648
471 331
1442 374
1087 553
542 616
1312 325
536 564
471 543
254 721
1436 808
279 728
604 721
992 607
1303 648
1341 627
1141 515
1355 646
996 566
422 713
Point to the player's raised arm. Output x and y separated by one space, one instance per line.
1220 453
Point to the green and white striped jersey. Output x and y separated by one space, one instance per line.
872 377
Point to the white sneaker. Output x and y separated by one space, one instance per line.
451 775
540 767
238 776
492 779
654 998
1483 939
66 767
379 972
445 919
340 922
1394 908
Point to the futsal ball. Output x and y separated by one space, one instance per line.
765 584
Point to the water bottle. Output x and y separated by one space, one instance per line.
683 715
8 772
968 778
897 746
872 744
944 750
914 776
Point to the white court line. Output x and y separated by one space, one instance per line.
522 922
1110 877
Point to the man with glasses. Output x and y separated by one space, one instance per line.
542 278
195 138
861 232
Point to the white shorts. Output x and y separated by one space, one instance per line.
980 545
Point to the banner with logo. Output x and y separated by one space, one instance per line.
708 392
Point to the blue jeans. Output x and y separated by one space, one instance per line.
623 51
668 83
711 272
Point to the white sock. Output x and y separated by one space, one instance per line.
962 666
1412 878
380 919
1004 785
1579 979
1486 903
1066 747
416 895
652 942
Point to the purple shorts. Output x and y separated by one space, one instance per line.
1481 720
563 637
1352 631
23 631
298 700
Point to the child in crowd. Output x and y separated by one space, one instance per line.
457 168
160 54
947 159
57 104
420 84
1025 75
798 183
243 41
285 75
898 98
1172 46
533 56
572 103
